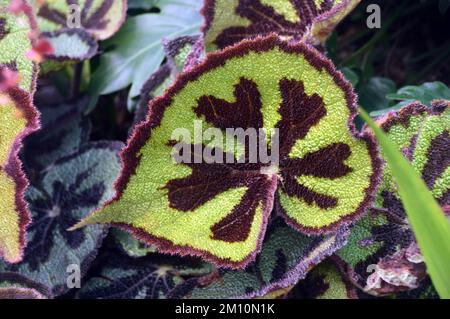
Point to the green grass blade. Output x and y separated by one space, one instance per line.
430 226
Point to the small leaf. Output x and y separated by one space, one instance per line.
143 278
73 186
71 45
286 258
321 159
432 230
100 18
229 21
19 118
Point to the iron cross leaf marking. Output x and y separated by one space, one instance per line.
231 21
325 177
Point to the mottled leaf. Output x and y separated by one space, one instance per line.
15 44
151 277
382 256
100 18
19 118
325 177
63 130
74 185
286 258
229 21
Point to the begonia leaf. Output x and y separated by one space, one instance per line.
325 176
286 258
382 256
71 45
19 118
143 278
64 129
100 18
76 184
15 44
229 21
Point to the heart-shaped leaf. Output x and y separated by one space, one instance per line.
325 175
230 21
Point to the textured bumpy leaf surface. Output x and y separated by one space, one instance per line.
15 43
151 277
138 51
101 18
384 237
178 50
18 118
286 258
230 21
74 185
326 174
324 282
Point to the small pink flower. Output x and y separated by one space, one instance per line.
41 48
8 78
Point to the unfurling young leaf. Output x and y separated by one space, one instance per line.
18 118
324 178
382 255
75 184
178 50
286 258
15 44
230 21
